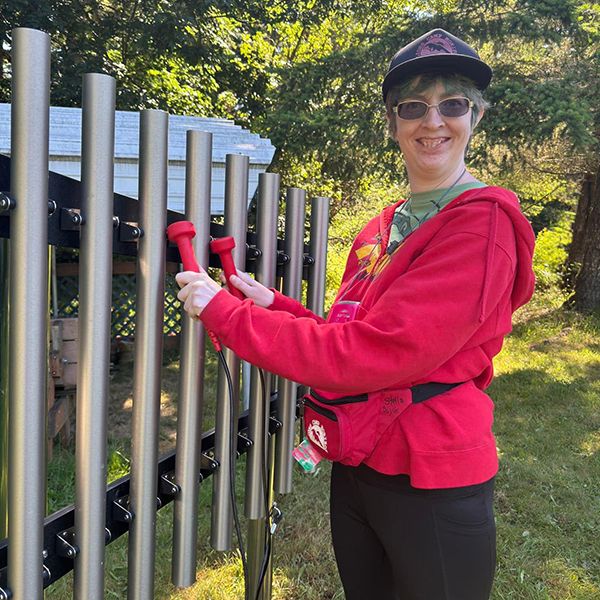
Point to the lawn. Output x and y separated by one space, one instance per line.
547 394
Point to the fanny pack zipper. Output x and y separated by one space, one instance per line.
319 409
344 400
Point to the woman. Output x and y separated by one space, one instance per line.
428 293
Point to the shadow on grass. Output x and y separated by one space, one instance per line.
548 486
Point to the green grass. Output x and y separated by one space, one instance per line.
547 394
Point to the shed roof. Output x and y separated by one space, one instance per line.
228 138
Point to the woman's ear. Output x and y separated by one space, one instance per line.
478 118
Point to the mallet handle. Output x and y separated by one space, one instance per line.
223 247
182 233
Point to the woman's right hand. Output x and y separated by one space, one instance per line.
261 295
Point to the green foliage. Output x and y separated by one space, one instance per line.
118 465
551 254
307 75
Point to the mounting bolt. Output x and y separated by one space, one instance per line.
5 593
6 202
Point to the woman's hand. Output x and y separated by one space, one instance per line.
197 290
261 295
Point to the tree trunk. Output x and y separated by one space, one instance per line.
584 253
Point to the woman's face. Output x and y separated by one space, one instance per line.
433 146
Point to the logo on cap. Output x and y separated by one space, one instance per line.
436 43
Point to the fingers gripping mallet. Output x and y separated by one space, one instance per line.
182 233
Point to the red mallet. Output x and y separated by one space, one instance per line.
223 247
182 233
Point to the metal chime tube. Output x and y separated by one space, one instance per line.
4 275
236 223
292 287
191 373
148 351
319 229
266 229
28 323
95 284
258 484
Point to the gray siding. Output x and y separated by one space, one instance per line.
228 138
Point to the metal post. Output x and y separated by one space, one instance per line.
148 351
292 287
95 283
236 223
28 345
191 373
319 228
4 278
257 463
246 376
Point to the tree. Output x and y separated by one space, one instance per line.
544 96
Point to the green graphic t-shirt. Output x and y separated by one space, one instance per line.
422 206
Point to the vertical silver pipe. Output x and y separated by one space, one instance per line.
53 283
150 291
246 375
266 229
292 287
319 229
258 466
95 284
236 224
191 373
28 346
4 309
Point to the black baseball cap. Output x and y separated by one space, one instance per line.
436 50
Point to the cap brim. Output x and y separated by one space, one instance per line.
470 67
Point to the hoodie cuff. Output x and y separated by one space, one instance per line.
283 302
216 313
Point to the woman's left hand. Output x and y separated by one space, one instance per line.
197 290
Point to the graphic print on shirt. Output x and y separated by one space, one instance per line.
367 256
371 261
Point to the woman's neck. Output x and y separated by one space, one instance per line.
456 177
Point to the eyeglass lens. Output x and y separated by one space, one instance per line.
451 107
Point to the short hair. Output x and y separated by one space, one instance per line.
453 83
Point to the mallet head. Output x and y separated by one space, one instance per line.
224 244
181 230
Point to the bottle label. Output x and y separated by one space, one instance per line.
307 456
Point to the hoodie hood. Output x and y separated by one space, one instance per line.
501 199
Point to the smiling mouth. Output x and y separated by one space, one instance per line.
432 143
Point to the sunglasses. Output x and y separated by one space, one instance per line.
416 109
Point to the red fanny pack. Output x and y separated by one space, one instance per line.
347 429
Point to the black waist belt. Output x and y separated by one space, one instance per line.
420 393
424 391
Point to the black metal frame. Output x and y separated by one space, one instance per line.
59 547
64 221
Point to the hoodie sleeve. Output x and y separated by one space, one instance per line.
425 316
285 303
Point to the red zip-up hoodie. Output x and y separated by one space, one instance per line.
436 310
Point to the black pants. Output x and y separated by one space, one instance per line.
396 542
